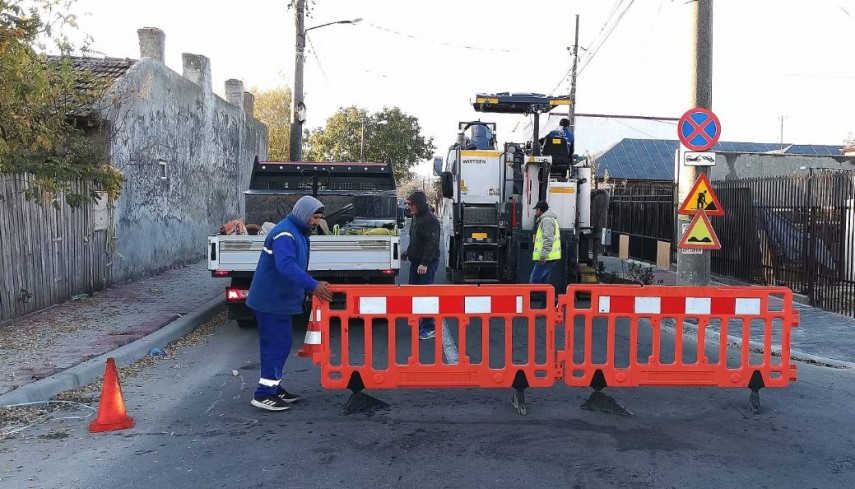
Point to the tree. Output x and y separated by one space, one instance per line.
273 108
41 101
389 136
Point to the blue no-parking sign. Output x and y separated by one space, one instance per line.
699 129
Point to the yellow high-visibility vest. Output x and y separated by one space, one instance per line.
555 252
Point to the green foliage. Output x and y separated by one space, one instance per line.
389 136
273 108
41 105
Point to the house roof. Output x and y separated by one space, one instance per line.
653 159
105 70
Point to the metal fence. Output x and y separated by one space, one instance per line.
797 231
48 254
645 213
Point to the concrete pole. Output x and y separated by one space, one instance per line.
362 140
298 107
694 269
573 80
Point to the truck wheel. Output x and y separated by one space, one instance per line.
246 323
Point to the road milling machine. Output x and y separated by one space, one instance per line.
489 193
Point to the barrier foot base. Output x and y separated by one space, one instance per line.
604 403
755 384
360 402
518 402
754 402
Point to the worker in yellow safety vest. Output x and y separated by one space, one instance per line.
547 244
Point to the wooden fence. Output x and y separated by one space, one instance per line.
48 255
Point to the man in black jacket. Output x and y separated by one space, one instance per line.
423 251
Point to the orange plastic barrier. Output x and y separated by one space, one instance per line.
360 336
668 330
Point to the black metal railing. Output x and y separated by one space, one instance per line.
645 213
796 231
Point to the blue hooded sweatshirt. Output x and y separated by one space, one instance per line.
280 282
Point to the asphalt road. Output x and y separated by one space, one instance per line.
195 428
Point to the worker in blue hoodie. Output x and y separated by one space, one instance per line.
277 293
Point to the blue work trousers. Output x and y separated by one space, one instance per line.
274 339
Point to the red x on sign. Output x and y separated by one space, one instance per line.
699 129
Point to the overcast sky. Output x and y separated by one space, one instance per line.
772 58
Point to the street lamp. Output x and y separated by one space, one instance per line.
362 137
298 106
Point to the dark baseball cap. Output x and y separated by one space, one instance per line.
542 205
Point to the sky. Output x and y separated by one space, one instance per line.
774 61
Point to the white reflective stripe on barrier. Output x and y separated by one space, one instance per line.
698 305
372 305
425 305
648 305
747 306
605 304
477 305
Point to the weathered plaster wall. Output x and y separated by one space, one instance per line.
186 155
733 166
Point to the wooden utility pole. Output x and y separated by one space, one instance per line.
573 79
692 268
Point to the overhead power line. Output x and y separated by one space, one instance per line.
602 36
593 52
438 43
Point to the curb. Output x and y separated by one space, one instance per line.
85 373
759 347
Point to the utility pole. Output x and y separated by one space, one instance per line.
694 269
573 79
298 107
362 139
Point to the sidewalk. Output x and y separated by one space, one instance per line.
822 336
56 339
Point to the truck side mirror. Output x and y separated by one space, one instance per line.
447 184
437 165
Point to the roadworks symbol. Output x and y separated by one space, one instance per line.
700 235
702 197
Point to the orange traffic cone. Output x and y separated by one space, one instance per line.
312 342
111 411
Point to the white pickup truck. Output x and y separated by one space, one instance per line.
364 244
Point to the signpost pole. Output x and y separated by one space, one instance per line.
694 269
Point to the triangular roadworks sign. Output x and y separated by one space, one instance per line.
702 197
699 235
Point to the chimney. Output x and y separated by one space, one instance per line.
234 92
197 69
249 104
152 42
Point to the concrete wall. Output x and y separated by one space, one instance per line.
186 155
733 166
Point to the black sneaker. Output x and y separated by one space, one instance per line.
287 396
270 403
